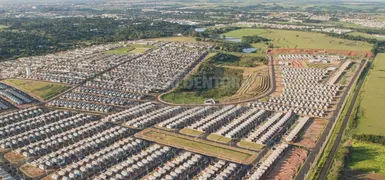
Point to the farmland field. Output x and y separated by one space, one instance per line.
372 105
303 40
198 146
367 157
43 90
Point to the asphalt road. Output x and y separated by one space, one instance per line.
302 174
336 143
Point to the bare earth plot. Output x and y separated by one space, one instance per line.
255 82
288 166
312 133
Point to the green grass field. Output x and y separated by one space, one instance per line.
183 98
191 132
130 49
300 39
3 27
199 146
367 157
366 35
123 50
43 90
250 145
218 138
373 100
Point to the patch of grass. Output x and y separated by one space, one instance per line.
3 27
208 82
176 39
219 138
199 146
300 39
130 49
239 59
41 89
368 157
373 100
123 50
191 132
183 98
250 145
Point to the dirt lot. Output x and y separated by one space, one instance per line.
255 82
288 165
312 133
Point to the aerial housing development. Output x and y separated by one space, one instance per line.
156 90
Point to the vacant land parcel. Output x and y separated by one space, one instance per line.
303 40
130 49
372 105
41 89
199 146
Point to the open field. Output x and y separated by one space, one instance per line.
175 39
123 50
219 138
43 90
31 171
250 145
130 49
248 68
288 166
254 83
198 146
191 132
183 98
299 39
14 157
3 27
372 105
366 35
367 157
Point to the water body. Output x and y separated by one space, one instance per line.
231 39
200 29
249 50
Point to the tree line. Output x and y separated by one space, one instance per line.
38 36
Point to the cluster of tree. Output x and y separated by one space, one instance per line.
232 46
254 39
212 81
234 60
28 37
370 138
353 37
379 45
